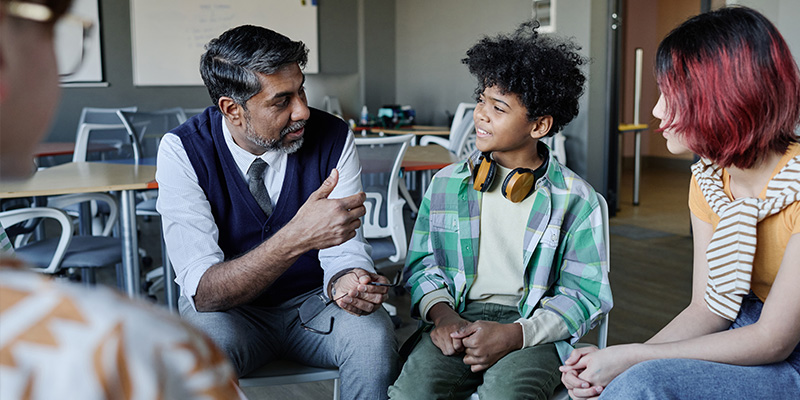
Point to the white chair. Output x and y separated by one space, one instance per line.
602 333
103 126
461 130
284 372
332 106
100 128
82 252
384 229
12 217
556 143
149 127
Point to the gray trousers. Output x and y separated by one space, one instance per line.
363 348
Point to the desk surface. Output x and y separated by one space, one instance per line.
65 148
421 158
419 130
82 177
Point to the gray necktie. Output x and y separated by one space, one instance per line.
255 175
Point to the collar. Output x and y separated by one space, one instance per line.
276 159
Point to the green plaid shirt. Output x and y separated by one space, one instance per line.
6 249
564 250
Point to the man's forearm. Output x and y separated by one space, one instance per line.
231 283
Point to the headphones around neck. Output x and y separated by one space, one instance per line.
516 187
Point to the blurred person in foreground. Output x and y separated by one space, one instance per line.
60 340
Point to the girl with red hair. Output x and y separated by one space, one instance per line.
730 93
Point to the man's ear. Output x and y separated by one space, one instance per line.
541 127
231 110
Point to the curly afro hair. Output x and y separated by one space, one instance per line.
543 71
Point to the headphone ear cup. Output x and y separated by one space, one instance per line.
518 184
484 174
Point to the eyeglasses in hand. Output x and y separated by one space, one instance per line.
312 307
396 282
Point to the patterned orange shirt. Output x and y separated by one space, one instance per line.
65 341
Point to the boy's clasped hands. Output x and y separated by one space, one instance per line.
482 342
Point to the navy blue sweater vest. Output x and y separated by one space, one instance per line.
241 222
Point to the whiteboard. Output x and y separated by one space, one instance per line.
168 37
68 47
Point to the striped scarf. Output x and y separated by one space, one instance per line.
733 245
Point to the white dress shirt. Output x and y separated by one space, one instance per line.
189 228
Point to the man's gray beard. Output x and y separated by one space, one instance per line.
276 144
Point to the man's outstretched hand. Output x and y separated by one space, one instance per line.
322 222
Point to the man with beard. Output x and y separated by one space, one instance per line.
261 197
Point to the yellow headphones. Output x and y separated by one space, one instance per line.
516 187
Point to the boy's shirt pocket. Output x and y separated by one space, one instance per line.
444 236
551 237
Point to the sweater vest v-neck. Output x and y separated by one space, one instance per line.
241 222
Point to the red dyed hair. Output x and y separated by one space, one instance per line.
732 86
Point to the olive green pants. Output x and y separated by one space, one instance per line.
530 373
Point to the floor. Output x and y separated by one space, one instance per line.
651 254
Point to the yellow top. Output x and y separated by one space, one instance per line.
773 232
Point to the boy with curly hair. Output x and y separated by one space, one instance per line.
507 263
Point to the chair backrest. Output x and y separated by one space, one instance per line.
68 203
9 218
331 105
462 127
191 112
381 159
602 334
103 128
557 145
466 137
149 127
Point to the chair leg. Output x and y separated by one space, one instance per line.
407 196
88 276
120 273
170 287
336 389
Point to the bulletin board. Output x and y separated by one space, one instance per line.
168 37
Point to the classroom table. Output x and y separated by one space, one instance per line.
427 159
416 130
52 149
90 177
